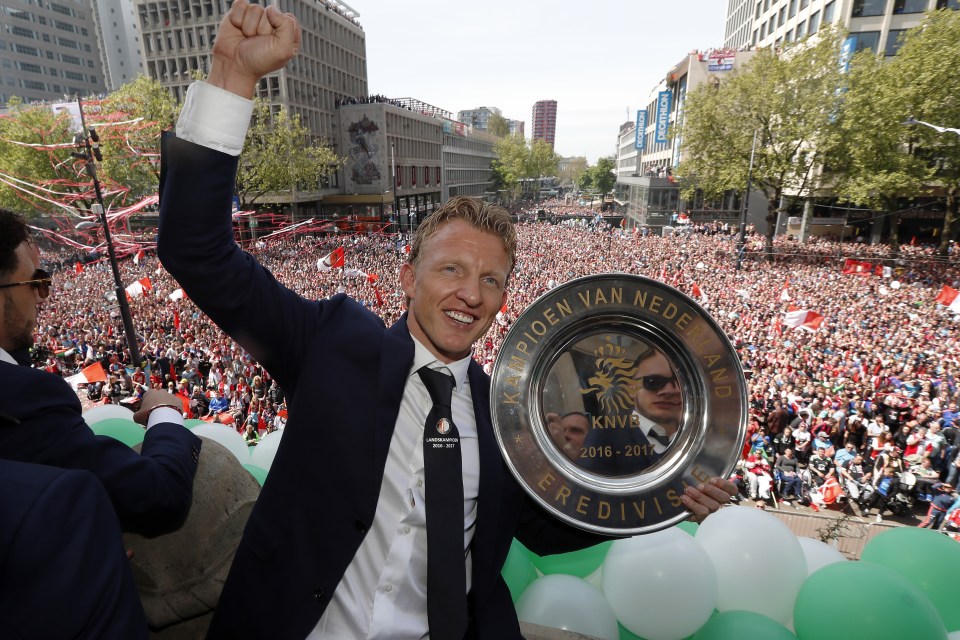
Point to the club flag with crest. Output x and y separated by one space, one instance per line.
333 260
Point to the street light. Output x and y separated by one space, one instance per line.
912 121
742 240
88 144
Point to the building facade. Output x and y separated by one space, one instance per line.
872 24
118 33
48 50
544 121
331 66
651 146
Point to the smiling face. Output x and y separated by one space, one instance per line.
455 288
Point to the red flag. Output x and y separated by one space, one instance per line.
804 319
185 401
138 256
856 267
949 297
145 283
176 319
78 267
331 261
698 293
372 277
376 292
94 373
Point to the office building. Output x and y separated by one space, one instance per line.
48 50
119 36
651 146
545 121
872 24
331 66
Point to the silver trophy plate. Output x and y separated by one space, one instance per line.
611 394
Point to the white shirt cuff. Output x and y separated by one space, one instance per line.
214 118
164 414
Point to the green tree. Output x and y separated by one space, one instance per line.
498 125
874 164
131 152
510 163
571 173
542 162
925 70
604 178
789 101
278 156
30 157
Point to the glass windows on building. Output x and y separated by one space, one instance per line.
864 8
893 41
828 12
909 6
948 4
814 22
793 8
866 40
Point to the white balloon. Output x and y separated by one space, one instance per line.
266 450
895 284
661 586
595 579
882 290
818 554
743 542
567 602
226 436
103 412
953 635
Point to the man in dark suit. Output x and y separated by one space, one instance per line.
150 491
63 570
338 535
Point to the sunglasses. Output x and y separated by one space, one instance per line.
655 383
41 282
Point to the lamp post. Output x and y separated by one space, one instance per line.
913 121
88 153
742 239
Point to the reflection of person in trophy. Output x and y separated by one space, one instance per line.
636 444
659 404
568 431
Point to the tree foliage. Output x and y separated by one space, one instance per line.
924 72
29 156
790 101
278 156
497 125
602 176
516 161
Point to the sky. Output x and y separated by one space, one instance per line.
599 59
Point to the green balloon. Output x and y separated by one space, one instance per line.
928 559
575 563
689 527
192 422
260 475
626 634
864 600
518 571
742 624
126 431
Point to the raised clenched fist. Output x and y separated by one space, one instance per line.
252 42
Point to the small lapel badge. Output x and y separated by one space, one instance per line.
443 426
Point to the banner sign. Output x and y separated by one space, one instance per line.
663 116
640 141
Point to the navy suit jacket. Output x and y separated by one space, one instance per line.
343 373
151 491
63 570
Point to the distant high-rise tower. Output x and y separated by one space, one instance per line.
545 121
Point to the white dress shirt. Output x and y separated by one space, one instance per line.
383 593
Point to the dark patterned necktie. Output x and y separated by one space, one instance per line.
446 570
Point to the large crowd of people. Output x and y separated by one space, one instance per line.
880 373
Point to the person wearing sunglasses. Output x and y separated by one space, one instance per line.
657 400
151 491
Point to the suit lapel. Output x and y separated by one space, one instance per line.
491 480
